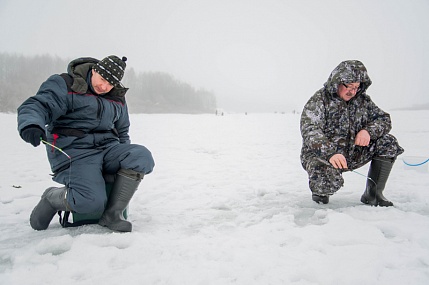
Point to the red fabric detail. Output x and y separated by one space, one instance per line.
56 136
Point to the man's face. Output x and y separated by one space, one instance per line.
100 85
348 91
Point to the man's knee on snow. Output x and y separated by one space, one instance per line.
90 205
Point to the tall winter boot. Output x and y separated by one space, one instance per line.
52 201
379 171
123 189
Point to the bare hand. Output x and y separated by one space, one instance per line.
362 138
338 161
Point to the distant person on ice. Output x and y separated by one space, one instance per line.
84 113
342 129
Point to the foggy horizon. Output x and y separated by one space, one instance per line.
255 56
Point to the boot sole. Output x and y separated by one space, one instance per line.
368 202
376 203
320 199
124 226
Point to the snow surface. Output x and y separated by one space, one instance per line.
227 203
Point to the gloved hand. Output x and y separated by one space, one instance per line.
32 134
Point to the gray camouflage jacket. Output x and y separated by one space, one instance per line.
329 124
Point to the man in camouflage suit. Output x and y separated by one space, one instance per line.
342 129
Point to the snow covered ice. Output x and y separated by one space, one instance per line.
228 203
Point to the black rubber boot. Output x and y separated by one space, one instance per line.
320 199
52 201
123 189
379 171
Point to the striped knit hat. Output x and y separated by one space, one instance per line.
112 69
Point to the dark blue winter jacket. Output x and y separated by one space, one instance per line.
76 120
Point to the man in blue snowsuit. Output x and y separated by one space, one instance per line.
84 113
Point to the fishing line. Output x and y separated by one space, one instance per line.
366 176
415 164
63 152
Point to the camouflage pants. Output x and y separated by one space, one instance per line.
324 179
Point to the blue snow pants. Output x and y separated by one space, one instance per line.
84 178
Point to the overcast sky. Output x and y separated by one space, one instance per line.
265 56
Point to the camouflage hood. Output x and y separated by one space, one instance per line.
346 72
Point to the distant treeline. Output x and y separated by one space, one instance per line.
150 92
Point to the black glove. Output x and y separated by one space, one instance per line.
32 134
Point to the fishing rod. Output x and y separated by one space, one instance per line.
63 152
351 170
57 148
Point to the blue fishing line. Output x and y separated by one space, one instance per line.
415 164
